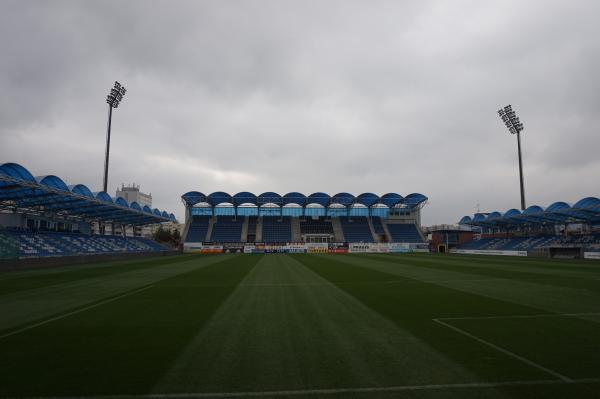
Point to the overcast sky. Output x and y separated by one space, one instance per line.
308 96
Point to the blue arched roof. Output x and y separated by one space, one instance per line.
415 199
465 220
346 199
157 212
172 217
219 197
269 198
558 206
533 209
511 213
479 217
121 201
318 198
164 214
136 206
586 210
587 203
52 194
367 199
294 198
16 171
81 189
52 181
147 209
191 198
244 198
391 199
103 196
494 215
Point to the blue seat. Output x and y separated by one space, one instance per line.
276 229
356 229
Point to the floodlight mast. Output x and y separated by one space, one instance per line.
514 125
113 99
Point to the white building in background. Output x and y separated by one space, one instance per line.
132 193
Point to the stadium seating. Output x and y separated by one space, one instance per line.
42 244
404 232
316 226
227 229
356 229
197 229
252 221
276 229
534 242
377 225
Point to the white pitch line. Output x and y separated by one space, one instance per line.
530 316
62 316
505 351
326 391
326 284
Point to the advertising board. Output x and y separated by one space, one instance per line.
488 252
591 255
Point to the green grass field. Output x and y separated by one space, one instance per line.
364 326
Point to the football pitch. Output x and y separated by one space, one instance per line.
303 326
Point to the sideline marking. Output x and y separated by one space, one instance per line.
62 316
505 351
524 316
326 391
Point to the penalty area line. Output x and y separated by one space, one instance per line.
327 391
505 351
62 316
524 316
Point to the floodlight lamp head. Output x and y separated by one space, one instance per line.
510 119
116 95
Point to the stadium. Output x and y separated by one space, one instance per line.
123 310
299 200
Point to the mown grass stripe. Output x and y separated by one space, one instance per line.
123 346
74 312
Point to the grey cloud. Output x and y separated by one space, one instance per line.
319 95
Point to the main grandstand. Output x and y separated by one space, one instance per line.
558 230
43 217
272 218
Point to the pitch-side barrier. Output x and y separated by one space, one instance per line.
488 252
337 248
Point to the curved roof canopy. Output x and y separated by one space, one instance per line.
367 199
82 189
244 198
587 203
103 196
20 189
465 220
192 198
390 200
294 198
52 181
586 210
16 171
558 206
269 198
120 201
494 215
346 199
219 197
